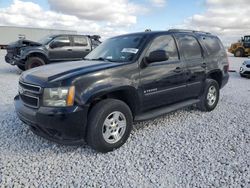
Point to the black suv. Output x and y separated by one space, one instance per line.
55 48
133 77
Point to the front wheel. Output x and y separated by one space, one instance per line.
109 125
210 97
21 67
239 53
33 62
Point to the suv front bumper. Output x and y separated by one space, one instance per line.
14 60
65 125
245 70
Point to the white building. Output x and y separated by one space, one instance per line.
10 34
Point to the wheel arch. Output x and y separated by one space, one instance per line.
216 75
38 54
127 94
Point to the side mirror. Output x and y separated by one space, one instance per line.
157 56
55 44
242 39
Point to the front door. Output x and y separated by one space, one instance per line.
163 82
60 49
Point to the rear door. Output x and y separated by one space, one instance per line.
163 82
192 55
81 46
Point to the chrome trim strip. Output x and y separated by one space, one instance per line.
165 90
32 91
32 106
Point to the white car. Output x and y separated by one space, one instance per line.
245 68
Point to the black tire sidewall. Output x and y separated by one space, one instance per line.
31 60
203 104
96 119
241 53
21 67
216 85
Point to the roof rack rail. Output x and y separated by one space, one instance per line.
187 30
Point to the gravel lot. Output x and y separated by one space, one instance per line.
187 148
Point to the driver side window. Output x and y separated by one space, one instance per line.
62 41
166 43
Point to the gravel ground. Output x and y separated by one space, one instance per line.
187 148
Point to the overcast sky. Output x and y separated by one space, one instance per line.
227 18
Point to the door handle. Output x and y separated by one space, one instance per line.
87 50
204 65
178 70
69 49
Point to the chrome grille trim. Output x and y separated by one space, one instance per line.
31 85
27 91
32 106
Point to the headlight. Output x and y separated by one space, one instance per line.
244 63
62 96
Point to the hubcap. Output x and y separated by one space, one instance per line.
114 127
211 95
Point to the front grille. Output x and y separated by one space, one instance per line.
30 94
248 66
30 87
13 51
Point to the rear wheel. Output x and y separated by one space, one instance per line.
239 53
109 125
210 97
33 62
21 67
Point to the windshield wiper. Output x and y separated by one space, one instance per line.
99 59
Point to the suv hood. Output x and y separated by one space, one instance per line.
23 43
61 71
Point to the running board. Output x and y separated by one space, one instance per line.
164 110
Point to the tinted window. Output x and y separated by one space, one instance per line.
61 41
212 45
167 44
118 49
189 47
247 39
80 41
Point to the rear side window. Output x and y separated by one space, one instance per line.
189 46
166 43
212 45
80 41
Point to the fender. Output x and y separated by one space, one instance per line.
28 53
96 89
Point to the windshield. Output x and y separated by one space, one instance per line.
45 40
118 49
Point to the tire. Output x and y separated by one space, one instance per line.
21 67
239 53
242 75
209 101
99 134
33 62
